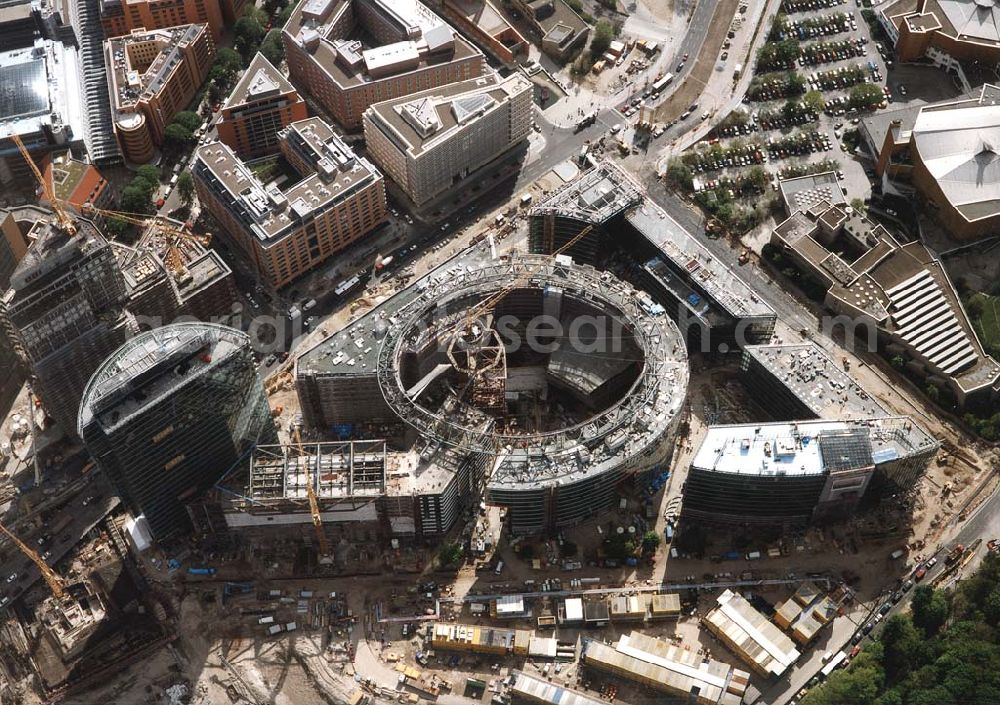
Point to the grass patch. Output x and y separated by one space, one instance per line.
270 168
984 310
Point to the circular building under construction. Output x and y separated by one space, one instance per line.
553 383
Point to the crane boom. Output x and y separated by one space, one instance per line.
65 221
317 518
53 580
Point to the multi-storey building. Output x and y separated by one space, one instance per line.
152 76
77 183
558 26
430 141
944 31
120 17
41 101
285 233
900 294
412 49
169 413
65 312
260 105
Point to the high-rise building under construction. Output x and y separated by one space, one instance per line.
169 413
65 312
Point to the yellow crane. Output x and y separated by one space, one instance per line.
173 235
65 220
324 549
52 578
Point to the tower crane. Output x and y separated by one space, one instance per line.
173 235
52 578
64 218
317 519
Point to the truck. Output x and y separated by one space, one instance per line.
738 70
201 571
898 553
954 554
833 663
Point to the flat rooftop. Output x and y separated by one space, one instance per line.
598 195
797 448
803 192
40 87
270 211
816 380
151 365
421 39
425 119
731 294
136 72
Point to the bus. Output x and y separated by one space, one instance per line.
662 83
833 663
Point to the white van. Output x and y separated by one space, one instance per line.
499 568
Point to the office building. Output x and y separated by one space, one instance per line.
152 76
429 142
488 27
668 668
76 183
944 153
749 635
715 309
898 294
800 381
944 31
793 474
598 421
350 54
121 17
41 101
65 313
285 231
258 108
169 413
562 31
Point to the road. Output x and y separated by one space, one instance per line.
86 505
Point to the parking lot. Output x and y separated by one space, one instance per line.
798 109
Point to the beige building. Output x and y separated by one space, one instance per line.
261 104
350 54
152 76
429 141
288 230
749 634
659 665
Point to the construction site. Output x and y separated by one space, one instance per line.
449 516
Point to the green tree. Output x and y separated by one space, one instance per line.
933 393
930 609
897 362
185 187
450 554
188 119
176 136
679 173
901 644
814 102
757 177
257 14
796 84
115 227
228 64
247 34
272 48
604 33
650 541
136 199
149 173
865 95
